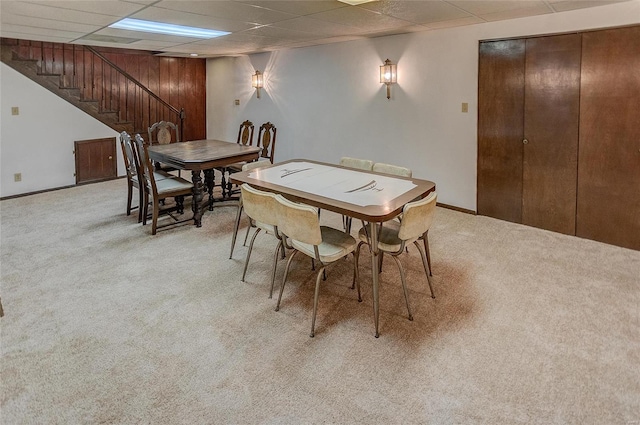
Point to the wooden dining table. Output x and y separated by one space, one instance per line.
365 195
200 156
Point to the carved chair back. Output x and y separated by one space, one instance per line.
245 134
163 133
267 141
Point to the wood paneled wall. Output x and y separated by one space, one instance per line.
181 82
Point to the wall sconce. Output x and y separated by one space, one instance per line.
256 81
388 75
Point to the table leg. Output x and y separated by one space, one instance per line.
209 181
375 252
198 194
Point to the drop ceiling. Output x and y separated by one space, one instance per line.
255 25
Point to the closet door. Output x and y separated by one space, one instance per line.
551 117
609 158
500 129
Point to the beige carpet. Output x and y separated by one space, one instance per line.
105 323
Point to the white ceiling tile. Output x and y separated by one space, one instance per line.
517 13
53 13
43 23
419 12
563 5
455 23
6 32
318 27
67 35
228 10
361 18
302 8
106 7
484 7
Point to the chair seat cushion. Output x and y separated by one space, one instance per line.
266 227
236 167
175 184
388 240
162 175
335 245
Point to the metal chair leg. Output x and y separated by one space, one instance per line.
246 261
235 229
404 285
356 280
275 263
425 264
284 278
425 238
315 301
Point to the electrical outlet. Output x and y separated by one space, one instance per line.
17 177
237 102
15 110
465 107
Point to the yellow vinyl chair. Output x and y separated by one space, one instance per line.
380 167
246 167
300 225
260 207
395 236
360 164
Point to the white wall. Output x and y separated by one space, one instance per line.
39 141
327 101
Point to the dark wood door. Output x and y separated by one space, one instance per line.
609 159
95 160
551 117
501 129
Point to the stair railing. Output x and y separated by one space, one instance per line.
98 78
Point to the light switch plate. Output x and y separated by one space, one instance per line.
15 110
465 107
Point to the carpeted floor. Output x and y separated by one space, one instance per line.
105 323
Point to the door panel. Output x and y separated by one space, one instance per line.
500 129
608 207
95 160
551 117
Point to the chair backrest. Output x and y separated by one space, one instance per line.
360 164
253 165
146 166
267 141
259 205
417 217
380 167
163 133
245 134
299 221
129 156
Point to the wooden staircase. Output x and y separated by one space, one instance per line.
88 80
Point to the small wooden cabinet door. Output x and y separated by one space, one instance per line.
500 129
551 117
95 160
609 158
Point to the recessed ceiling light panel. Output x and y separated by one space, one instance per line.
169 29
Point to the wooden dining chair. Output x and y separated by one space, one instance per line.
158 190
394 236
163 133
245 137
300 225
267 141
133 174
